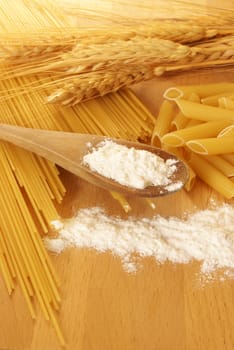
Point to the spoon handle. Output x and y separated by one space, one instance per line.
62 148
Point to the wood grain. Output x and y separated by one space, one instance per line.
161 307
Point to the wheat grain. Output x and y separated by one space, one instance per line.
214 53
97 84
96 74
43 44
94 70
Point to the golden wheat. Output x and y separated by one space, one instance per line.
95 70
214 53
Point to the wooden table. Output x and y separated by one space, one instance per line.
161 307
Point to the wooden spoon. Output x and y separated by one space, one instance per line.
67 149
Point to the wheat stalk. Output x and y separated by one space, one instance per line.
97 84
14 49
80 60
95 70
214 53
98 73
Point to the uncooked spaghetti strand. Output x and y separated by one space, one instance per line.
130 128
39 199
8 254
50 181
8 202
5 271
112 105
127 106
56 326
17 254
22 245
112 112
129 93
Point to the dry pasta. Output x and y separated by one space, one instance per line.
31 186
180 121
204 136
222 165
208 129
226 102
212 145
24 173
201 112
229 158
227 132
212 176
202 90
163 122
214 100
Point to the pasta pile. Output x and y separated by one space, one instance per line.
31 187
196 123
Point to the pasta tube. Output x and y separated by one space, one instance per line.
180 121
214 100
203 112
212 176
222 165
219 145
203 90
227 132
163 122
204 130
229 158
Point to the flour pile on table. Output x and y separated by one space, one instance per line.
206 236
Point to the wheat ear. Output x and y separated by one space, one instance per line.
219 52
92 71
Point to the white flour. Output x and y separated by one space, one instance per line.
206 236
131 167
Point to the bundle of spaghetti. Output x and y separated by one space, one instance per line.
30 185
195 124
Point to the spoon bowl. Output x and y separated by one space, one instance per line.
67 150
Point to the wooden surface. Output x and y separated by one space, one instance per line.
161 307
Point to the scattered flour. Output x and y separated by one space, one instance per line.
132 167
206 236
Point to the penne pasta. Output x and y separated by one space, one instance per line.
222 165
180 121
214 100
204 125
203 90
203 112
212 145
212 176
229 158
203 130
227 103
227 132
163 122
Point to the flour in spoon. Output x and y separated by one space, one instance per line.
132 167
